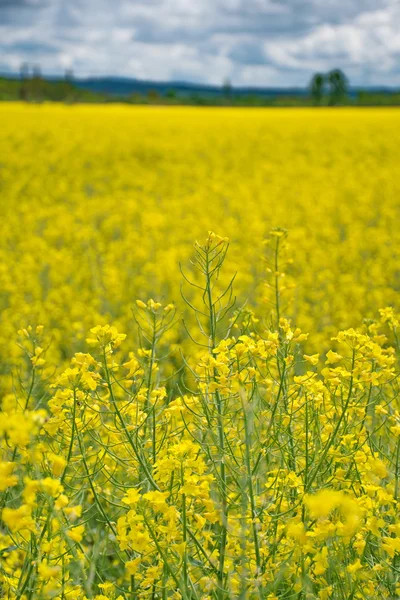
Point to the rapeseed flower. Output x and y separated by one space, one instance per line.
184 445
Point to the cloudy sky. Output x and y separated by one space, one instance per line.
251 42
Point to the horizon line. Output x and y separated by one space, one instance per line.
188 83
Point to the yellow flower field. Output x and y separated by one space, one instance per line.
211 419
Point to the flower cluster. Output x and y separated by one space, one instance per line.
255 471
185 433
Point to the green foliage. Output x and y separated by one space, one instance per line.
317 88
324 90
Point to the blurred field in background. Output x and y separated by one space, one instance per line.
215 455
100 203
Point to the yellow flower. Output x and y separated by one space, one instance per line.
58 464
133 366
76 533
37 359
391 545
132 566
7 479
313 359
52 487
332 357
297 532
47 571
132 497
105 336
18 519
61 502
354 567
321 561
214 431
323 502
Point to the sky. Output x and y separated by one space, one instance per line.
266 43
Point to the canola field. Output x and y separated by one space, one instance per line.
188 414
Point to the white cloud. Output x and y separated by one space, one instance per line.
370 40
254 42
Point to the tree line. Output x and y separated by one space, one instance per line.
325 89
329 88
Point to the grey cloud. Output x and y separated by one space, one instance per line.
17 13
34 48
277 42
18 4
248 53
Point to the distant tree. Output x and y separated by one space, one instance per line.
36 87
338 87
36 72
171 94
197 99
69 75
24 76
66 88
317 86
153 96
24 71
227 87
